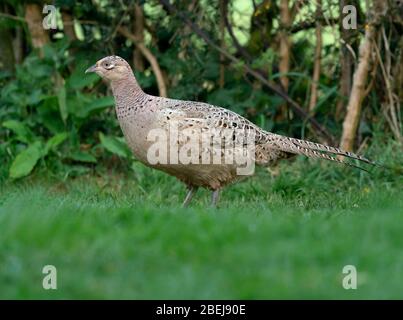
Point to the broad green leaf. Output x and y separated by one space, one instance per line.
78 79
25 161
83 157
22 132
55 141
39 70
35 96
77 102
76 170
49 52
61 98
115 146
101 103
325 96
96 105
49 115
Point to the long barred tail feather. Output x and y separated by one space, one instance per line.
333 150
319 155
314 150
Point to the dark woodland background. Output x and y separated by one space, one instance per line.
289 66
72 196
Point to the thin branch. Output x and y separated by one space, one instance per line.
394 123
367 46
10 16
285 44
296 8
238 46
317 62
150 57
309 24
22 19
222 40
296 107
354 106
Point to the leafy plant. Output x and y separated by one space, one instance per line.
51 113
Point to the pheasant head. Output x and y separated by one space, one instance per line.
112 68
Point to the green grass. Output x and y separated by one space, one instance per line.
272 237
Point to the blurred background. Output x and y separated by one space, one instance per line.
289 66
72 196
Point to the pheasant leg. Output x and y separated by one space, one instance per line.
191 191
215 197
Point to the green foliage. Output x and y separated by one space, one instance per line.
26 160
115 145
53 114
22 133
53 142
48 101
287 232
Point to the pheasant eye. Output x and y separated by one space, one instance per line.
108 65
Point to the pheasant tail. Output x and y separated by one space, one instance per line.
318 151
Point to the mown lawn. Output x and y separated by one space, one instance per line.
126 236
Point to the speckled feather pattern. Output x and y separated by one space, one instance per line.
139 112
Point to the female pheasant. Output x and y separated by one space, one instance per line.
180 128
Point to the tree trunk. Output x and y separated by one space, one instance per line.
318 58
68 25
171 9
7 58
138 31
223 12
285 44
398 74
33 17
366 50
7 61
19 45
346 64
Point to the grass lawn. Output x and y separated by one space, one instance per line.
287 236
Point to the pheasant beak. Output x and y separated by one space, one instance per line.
91 69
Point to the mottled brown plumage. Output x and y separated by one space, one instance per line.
138 113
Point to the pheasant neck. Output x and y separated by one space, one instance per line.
128 85
128 95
